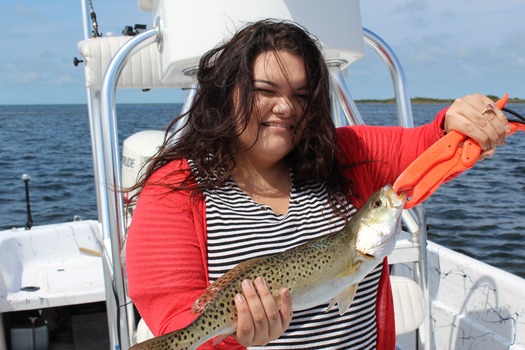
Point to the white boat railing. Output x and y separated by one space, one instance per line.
413 219
113 219
387 55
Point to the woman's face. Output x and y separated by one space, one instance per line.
280 96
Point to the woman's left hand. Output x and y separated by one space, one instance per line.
260 318
487 128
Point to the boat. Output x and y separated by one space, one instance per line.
443 299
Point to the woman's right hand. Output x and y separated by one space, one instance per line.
470 116
260 318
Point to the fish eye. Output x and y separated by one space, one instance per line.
377 203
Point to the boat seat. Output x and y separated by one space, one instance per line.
409 305
142 333
141 71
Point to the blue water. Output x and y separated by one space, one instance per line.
481 213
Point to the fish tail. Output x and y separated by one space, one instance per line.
189 338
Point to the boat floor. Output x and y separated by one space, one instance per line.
75 327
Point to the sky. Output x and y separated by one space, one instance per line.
447 48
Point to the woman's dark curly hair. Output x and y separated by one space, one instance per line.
210 128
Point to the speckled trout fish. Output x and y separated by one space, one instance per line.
325 269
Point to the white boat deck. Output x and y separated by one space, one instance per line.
473 305
51 265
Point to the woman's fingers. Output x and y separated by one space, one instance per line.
271 309
251 315
260 318
477 117
497 123
286 308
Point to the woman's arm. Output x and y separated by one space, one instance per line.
165 256
375 156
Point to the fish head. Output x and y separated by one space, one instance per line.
379 223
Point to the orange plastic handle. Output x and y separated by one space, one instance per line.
516 127
448 157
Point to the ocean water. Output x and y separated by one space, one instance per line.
481 213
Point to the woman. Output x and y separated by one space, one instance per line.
258 168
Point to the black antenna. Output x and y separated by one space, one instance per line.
29 222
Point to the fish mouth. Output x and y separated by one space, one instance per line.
396 200
401 200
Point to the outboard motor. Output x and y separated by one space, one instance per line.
137 149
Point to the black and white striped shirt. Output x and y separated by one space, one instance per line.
240 229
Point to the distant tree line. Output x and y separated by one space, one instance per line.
416 100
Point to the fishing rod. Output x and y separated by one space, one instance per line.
95 33
29 222
516 114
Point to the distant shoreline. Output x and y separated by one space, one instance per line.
427 100
413 100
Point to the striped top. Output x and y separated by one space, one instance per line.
240 229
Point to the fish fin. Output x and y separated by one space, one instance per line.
351 269
213 289
200 304
331 305
345 299
220 338
229 331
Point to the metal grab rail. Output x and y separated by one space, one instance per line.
112 215
414 219
404 106
342 100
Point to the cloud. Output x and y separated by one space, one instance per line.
19 19
512 49
413 7
51 70
19 74
447 48
23 12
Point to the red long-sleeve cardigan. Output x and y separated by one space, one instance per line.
166 257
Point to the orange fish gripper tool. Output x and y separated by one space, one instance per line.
448 157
